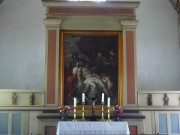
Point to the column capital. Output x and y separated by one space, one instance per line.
129 24
52 23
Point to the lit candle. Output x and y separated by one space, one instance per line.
75 102
83 97
108 103
102 98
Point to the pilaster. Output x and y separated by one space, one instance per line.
129 54
52 61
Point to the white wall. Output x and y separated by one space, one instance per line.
22 45
158 51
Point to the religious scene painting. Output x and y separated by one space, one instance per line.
90 66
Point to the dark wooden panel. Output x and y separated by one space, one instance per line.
133 130
124 116
124 111
50 130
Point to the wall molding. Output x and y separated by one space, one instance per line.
158 91
60 3
20 90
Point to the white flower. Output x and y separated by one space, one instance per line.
112 108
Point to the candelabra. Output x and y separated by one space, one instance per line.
83 118
74 114
109 119
102 118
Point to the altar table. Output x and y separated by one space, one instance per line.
92 128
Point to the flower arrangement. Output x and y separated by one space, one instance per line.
117 110
64 111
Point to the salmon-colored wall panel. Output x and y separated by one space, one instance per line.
94 11
133 130
50 130
51 67
130 67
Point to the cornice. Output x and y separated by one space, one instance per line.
129 24
52 23
58 3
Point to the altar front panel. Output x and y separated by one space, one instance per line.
92 128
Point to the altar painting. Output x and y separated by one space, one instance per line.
90 66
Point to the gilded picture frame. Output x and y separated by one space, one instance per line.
90 62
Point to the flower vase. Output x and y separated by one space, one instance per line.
64 118
116 118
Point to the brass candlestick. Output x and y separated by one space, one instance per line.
102 118
74 114
83 118
109 119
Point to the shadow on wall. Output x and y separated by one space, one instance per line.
1 1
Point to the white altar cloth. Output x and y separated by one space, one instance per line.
92 128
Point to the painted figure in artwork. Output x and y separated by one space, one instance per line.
71 75
111 59
89 83
107 82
